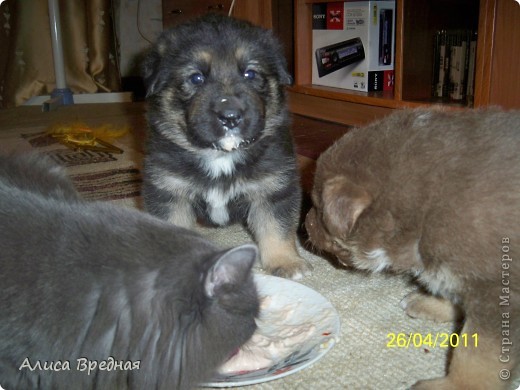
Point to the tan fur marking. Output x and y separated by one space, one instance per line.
204 56
279 255
420 305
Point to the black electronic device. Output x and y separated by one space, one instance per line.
333 57
385 36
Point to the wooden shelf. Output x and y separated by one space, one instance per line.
416 23
383 99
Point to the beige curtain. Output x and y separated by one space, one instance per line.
26 62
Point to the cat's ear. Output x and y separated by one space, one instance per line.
343 203
232 267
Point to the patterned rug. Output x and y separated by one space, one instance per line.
102 184
98 174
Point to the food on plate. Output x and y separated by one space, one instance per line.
282 331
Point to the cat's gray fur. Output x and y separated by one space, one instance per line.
92 280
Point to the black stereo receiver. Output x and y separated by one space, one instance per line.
333 57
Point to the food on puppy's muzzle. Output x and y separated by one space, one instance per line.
229 112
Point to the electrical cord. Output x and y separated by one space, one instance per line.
231 7
139 24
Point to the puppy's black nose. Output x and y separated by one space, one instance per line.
229 112
230 118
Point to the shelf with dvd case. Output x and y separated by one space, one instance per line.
416 23
454 56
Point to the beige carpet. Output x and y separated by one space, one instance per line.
368 305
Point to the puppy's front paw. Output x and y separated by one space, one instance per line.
419 305
280 257
291 267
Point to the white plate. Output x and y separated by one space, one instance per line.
297 316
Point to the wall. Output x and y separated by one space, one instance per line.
138 23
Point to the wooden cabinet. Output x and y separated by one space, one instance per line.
178 11
497 80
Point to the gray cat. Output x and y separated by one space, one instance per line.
97 296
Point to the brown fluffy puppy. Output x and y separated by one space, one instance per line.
436 194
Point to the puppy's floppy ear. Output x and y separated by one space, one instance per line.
154 79
281 67
275 46
343 202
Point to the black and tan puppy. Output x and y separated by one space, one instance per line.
219 148
435 194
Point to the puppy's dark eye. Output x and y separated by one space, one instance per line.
197 78
249 74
